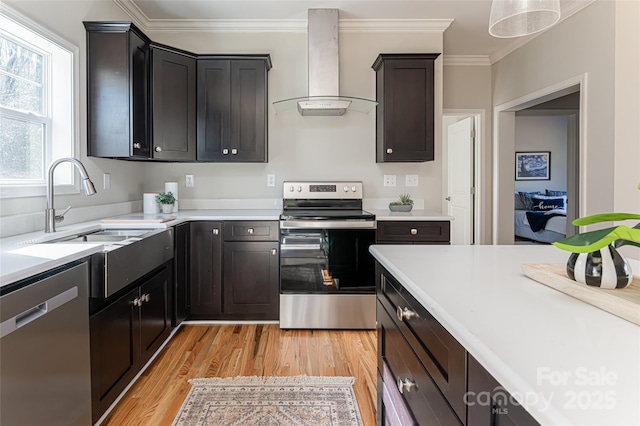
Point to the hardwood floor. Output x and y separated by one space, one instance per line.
247 350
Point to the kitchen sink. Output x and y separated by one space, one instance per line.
106 236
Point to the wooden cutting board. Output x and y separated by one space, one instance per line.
624 303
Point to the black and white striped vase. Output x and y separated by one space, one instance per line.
605 268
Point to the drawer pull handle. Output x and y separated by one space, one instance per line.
406 385
414 231
405 314
250 231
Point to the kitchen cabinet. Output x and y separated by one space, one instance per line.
205 258
232 108
405 112
417 349
413 232
234 270
490 404
251 288
180 302
125 334
118 61
173 106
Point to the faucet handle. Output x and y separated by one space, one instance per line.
60 217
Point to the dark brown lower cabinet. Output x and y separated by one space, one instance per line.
489 404
251 288
234 270
124 336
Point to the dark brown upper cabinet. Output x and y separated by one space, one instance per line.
232 108
173 105
118 62
405 112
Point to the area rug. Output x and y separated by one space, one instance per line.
269 401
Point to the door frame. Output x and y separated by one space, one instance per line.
504 149
479 172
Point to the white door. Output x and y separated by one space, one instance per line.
460 186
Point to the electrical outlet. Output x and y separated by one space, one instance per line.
271 180
389 180
190 181
411 180
106 181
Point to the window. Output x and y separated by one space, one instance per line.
38 113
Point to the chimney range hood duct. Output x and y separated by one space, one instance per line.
324 72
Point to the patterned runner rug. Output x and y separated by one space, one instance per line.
267 401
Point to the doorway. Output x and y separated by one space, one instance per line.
564 99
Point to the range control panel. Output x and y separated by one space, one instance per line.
322 190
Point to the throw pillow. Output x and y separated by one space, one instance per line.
556 193
540 204
526 198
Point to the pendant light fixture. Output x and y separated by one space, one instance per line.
516 18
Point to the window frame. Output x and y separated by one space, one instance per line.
56 132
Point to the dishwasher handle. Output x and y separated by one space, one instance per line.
12 324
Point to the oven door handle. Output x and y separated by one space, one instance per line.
327 224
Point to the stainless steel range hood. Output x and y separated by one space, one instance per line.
324 72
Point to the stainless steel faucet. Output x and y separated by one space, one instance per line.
50 217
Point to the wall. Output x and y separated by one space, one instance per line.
309 148
546 133
18 215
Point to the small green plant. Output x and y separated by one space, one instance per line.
166 198
403 199
588 242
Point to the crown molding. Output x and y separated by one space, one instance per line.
277 25
466 60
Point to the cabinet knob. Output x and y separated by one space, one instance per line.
137 302
405 314
274 252
448 198
250 231
215 231
389 151
225 151
234 151
146 297
158 149
406 385
414 231
137 145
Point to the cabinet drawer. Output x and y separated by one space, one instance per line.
416 390
243 230
423 232
443 357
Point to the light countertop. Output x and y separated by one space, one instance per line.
566 361
26 255
414 214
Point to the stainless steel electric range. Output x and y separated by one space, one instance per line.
327 275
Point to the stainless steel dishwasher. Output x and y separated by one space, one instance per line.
45 375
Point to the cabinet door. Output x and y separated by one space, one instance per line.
248 111
117 91
405 116
173 106
205 270
115 343
214 109
498 409
179 295
251 280
154 319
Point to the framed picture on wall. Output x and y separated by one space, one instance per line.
533 165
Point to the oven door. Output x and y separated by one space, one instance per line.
326 261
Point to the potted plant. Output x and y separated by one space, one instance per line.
594 252
404 203
166 200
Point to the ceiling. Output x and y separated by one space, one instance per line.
467 34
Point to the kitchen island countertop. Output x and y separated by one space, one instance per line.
565 361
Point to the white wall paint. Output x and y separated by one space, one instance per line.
548 133
307 148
